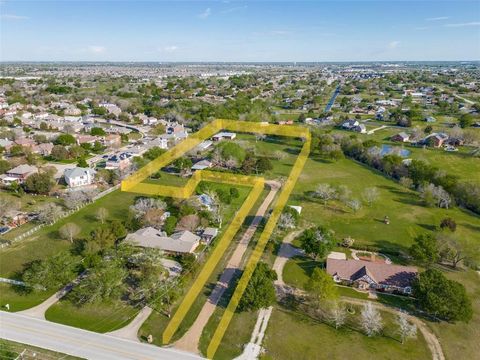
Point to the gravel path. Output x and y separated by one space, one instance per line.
189 341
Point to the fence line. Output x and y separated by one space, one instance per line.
62 216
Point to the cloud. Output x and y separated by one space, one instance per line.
205 14
96 49
170 48
472 23
280 32
393 44
438 18
422 28
233 9
13 17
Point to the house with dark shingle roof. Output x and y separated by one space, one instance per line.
372 275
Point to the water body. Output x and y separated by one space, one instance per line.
389 149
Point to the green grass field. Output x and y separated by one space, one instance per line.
408 217
98 317
297 337
46 242
19 299
30 352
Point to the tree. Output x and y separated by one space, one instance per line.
405 329
286 221
465 121
371 320
263 164
153 153
260 292
441 297
65 140
354 204
69 231
425 249
40 183
325 192
97 131
158 129
103 236
317 242
82 163
4 166
337 314
448 223
406 182
370 195
104 282
59 152
170 224
321 287
53 272
101 214
49 213
453 250
183 164
143 205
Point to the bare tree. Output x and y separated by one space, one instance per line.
279 155
101 214
325 192
370 195
406 330
69 231
354 204
337 314
49 213
344 193
74 199
371 320
406 182
143 205
286 221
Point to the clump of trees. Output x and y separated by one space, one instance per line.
260 291
441 297
317 242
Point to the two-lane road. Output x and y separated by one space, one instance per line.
81 343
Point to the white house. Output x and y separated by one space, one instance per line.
79 176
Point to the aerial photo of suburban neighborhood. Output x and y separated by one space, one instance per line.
273 180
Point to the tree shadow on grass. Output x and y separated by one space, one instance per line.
428 227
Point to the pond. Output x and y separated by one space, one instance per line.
388 149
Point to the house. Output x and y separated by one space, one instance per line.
372 275
224 135
361 128
79 176
349 124
204 145
400 137
25 143
119 161
182 242
19 174
435 139
202 164
86 139
43 149
112 140
208 234
6 144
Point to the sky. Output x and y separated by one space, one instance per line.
231 31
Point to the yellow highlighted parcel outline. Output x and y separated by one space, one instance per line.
134 184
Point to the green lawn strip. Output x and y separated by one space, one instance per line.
167 179
297 337
460 339
408 217
156 323
19 298
33 352
46 241
298 270
99 317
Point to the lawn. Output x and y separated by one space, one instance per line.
98 317
156 323
20 300
408 217
461 339
295 336
46 241
31 352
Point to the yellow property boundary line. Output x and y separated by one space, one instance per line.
134 184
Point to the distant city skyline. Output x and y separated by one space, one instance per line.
239 31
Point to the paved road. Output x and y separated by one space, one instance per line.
81 343
189 341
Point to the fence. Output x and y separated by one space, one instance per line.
62 216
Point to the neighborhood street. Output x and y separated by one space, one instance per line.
81 343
